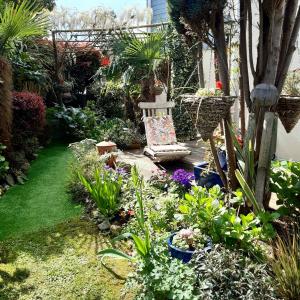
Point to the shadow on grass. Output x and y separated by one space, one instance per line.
76 233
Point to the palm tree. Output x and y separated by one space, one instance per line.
140 58
17 22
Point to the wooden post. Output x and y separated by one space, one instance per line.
264 157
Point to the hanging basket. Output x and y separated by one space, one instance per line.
288 109
207 112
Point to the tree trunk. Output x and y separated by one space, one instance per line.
245 87
219 34
200 65
147 89
5 103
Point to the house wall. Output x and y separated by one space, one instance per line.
159 8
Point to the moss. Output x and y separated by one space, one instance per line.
60 263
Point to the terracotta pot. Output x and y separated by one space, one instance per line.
106 147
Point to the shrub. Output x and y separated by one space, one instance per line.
225 274
285 182
78 123
29 114
123 133
110 99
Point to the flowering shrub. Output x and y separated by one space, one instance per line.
29 113
183 178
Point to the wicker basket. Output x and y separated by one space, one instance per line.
207 112
288 109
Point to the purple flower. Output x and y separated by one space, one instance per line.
183 177
121 171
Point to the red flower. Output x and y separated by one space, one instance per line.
105 61
219 85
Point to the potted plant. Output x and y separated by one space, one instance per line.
184 243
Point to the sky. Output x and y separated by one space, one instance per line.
116 5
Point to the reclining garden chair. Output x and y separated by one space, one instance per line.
160 133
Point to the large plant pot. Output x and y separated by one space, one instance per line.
206 178
207 112
288 109
184 255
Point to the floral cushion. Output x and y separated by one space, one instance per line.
160 130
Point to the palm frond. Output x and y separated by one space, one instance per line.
21 21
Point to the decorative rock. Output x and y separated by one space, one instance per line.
95 214
104 226
115 229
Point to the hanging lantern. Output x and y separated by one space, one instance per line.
264 95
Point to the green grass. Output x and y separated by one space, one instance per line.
60 263
42 201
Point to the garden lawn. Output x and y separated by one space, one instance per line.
43 200
60 263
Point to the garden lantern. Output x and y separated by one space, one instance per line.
264 95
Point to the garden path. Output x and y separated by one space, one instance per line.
43 200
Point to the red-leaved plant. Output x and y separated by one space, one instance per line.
29 113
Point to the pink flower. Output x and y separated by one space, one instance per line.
186 233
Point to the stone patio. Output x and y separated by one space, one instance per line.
147 167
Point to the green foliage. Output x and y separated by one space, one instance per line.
226 274
29 71
137 58
224 223
166 279
3 163
286 266
142 243
285 182
110 99
77 123
105 190
123 133
18 22
292 84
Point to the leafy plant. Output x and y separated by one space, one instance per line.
228 274
78 123
3 163
105 190
166 279
224 223
286 266
142 243
292 84
19 21
285 182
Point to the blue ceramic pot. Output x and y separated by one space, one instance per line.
184 255
209 179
